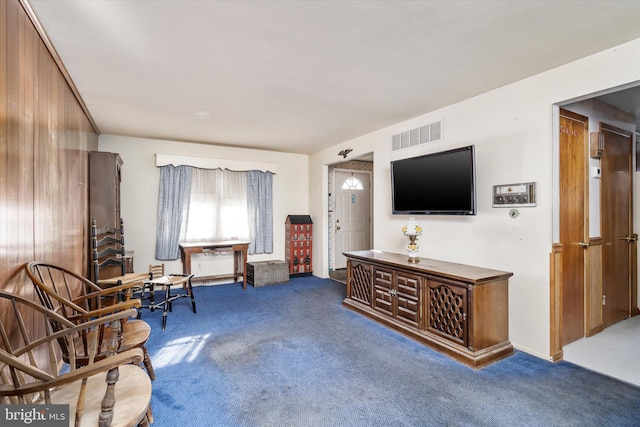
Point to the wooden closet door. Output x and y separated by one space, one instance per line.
616 223
574 220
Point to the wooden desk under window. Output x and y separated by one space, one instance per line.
238 247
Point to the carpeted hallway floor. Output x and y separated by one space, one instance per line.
291 355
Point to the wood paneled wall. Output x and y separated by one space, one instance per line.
45 137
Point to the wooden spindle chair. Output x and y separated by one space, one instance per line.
79 300
112 391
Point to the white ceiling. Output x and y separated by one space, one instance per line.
300 76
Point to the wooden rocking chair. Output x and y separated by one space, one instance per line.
79 300
113 391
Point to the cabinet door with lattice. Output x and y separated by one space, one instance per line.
447 311
359 286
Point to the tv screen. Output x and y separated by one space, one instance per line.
435 184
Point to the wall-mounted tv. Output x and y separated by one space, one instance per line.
441 183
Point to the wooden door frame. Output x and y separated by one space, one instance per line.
555 309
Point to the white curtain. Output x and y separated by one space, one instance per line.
218 206
197 205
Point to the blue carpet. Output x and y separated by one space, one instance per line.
291 355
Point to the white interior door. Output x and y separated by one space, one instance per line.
352 214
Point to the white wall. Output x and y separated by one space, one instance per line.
515 134
140 178
513 129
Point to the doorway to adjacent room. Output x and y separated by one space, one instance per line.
352 214
350 211
595 261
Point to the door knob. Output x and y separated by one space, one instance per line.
337 227
584 245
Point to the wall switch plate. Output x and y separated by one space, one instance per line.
514 195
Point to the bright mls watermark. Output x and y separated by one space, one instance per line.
34 415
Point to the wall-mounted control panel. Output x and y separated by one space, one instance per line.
514 195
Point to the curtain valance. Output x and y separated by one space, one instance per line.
209 163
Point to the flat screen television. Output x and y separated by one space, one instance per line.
441 183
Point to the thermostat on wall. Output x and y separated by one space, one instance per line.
512 195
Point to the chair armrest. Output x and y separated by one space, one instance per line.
112 294
107 310
132 356
118 289
75 329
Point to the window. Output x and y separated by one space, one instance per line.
213 204
352 183
217 206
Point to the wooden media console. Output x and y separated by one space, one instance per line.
456 309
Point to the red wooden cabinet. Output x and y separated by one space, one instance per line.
298 244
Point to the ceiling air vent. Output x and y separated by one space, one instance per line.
422 135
